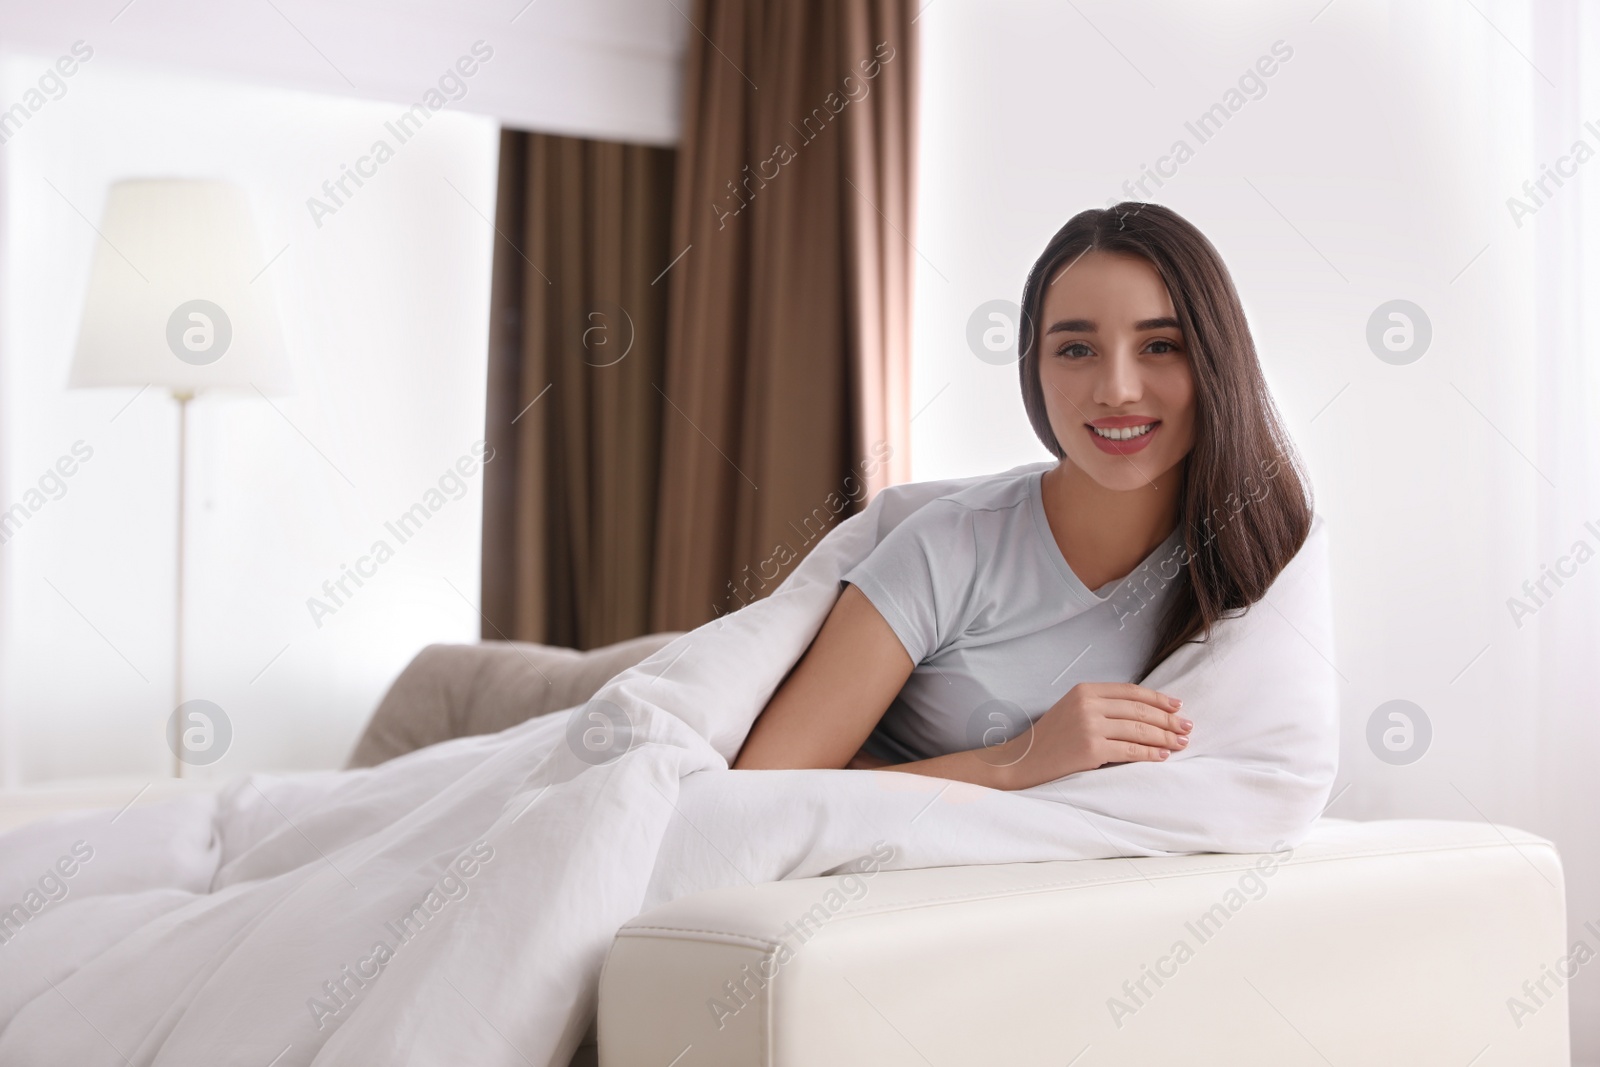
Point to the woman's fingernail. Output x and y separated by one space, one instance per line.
1187 724
1182 741
1163 753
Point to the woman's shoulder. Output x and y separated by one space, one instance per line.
944 500
997 492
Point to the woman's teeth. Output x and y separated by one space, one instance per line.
1126 433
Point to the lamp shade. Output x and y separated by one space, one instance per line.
174 294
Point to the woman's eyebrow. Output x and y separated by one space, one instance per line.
1089 325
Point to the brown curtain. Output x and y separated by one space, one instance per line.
787 371
574 414
762 273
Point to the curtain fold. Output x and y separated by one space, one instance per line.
573 411
787 375
760 274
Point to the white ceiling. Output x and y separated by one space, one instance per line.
597 68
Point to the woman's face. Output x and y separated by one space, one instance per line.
1112 359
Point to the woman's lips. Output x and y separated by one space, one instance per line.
1124 448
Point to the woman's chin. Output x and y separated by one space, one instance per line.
1122 474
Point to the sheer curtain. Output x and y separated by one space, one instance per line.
1566 47
1517 737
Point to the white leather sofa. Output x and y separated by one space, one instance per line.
1403 942
1395 942
1373 943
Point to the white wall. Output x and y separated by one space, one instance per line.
1376 165
385 310
599 68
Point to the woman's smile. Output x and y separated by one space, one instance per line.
1123 435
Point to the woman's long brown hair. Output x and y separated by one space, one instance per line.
1245 503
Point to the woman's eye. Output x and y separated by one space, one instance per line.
1167 346
1072 350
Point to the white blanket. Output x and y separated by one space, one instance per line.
455 905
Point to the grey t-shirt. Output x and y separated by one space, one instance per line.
998 625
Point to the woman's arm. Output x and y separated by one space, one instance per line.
1094 724
826 707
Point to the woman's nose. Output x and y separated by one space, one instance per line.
1119 381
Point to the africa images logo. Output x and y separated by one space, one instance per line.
199 332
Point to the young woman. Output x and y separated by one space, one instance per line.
997 634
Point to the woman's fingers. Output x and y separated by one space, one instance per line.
1132 752
1141 712
1130 691
1145 734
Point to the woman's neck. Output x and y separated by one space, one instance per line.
1105 533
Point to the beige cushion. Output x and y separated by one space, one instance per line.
461 690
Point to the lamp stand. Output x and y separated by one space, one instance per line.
183 398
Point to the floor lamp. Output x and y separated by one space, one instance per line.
176 301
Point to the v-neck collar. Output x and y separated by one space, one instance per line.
1052 549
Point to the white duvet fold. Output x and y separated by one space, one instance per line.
455 905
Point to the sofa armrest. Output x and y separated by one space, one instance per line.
1394 942
449 691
